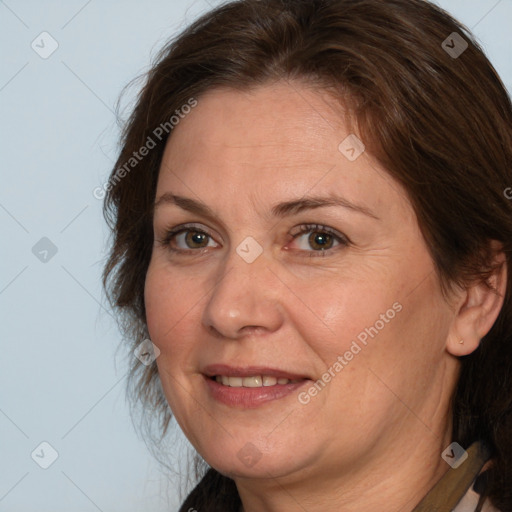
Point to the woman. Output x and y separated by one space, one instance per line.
316 238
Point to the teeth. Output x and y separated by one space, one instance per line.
232 381
250 382
256 381
269 381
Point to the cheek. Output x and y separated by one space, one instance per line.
156 302
169 302
376 325
171 315
346 310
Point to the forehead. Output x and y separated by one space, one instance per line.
260 123
280 138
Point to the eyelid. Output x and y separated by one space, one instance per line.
342 239
307 227
172 232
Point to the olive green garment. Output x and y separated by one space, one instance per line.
455 491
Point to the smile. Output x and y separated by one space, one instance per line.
255 381
250 392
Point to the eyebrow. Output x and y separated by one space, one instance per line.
278 210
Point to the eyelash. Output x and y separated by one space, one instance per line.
303 228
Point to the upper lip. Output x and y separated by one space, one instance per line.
249 371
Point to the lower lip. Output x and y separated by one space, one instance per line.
248 398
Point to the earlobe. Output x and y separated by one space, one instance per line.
464 337
479 311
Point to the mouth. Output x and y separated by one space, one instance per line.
250 387
250 376
253 381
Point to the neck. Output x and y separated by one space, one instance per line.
389 479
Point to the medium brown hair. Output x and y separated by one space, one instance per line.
440 124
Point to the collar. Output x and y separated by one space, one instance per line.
454 484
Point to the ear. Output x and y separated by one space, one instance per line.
478 308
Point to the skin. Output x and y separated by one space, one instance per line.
372 438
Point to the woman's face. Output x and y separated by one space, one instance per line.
298 256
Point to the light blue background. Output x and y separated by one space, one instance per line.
61 379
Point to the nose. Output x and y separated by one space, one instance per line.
246 299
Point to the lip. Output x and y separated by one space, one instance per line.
249 371
250 398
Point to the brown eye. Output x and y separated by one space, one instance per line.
193 239
319 239
187 239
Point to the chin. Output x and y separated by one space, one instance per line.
251 460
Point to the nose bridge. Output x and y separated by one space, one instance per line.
245 295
